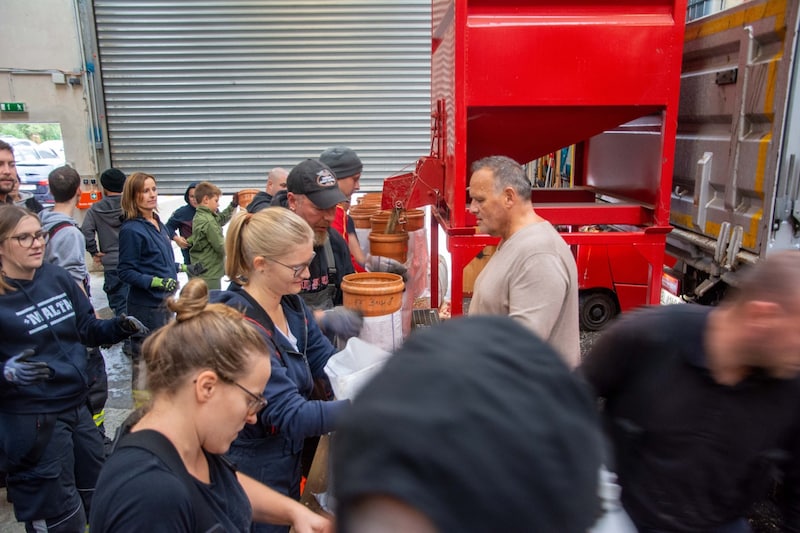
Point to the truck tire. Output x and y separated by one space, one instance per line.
596 309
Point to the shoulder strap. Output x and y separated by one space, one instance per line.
256 315
59 226
157 444
329 257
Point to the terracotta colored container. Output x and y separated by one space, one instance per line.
393 245
373 293
361 215
246 196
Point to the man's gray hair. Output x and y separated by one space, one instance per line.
507 173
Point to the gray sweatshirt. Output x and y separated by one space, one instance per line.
66 248
103 220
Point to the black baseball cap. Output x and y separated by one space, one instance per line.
315 180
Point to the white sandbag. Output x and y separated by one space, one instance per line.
352 368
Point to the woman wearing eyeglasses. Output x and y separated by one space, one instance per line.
49 444
267 257
206 373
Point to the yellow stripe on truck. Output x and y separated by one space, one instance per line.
772 8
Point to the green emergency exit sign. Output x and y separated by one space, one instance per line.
12 107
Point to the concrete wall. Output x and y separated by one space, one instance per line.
39 39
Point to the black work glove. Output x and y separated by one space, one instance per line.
195 269
19 371
132 325
235 199
165 284
341 322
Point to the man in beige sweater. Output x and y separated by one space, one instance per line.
532 276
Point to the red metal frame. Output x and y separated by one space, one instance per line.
523 78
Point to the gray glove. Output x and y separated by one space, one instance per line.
377 263
20 371
341 323
132 325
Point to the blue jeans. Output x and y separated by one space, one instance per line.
117 292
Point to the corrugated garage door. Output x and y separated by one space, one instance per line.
224 90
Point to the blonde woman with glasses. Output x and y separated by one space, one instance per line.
267 257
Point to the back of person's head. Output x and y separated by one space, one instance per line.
112 179
206 189
271 233
507 173
343 161
478 425
10 216
773 279
64 183
203 335
134 186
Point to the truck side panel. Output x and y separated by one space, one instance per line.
731 157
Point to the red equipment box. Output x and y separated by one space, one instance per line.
524 78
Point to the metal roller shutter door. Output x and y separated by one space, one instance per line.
224 91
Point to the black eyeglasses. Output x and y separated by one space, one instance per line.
256 403
297 270
26 240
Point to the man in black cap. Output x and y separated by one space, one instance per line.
101 230
475 425
312 193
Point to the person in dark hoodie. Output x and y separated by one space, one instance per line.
49 444
101 229
268 256
181 221
276 181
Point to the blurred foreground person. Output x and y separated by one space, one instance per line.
701 404
49 444
206 372
472 426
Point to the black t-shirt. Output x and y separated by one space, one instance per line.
137 492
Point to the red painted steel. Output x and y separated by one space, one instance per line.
524 78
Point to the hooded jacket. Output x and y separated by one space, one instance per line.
321 276
261 200
145 253
207 245
66 246
52 316
289 414
103 220
181 221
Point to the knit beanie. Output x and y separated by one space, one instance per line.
112 179
480 426
343 161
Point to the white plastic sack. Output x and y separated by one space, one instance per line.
353 367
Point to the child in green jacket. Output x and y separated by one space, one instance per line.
207 245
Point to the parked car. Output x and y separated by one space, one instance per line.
57 147
33 167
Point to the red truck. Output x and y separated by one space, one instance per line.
523 78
